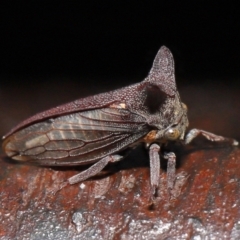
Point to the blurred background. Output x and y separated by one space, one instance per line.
53 52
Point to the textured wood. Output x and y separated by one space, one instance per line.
205 201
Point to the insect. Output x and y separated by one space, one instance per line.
94 129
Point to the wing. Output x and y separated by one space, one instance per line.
77 138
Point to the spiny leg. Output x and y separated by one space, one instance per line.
171 170
154 167
91 171
210 136
94 169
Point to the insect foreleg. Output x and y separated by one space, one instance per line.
210 136
94 169
154 166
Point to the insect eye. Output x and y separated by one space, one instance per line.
172 134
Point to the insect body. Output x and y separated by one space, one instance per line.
96 128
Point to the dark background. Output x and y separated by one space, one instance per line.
55 51
117 38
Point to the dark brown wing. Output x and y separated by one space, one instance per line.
77 138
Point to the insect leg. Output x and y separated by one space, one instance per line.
154 166
171 170
94 169
210 136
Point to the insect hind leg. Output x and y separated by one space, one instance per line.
94 169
